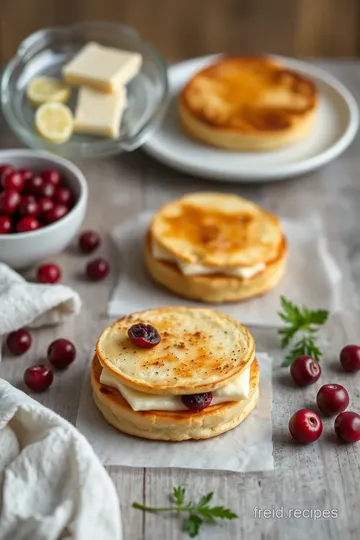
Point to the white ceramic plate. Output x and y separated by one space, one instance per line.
336 126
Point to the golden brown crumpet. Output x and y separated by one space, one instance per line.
200 350
172 426
248 103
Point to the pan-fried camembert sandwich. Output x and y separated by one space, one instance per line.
175 373
215 247
245 103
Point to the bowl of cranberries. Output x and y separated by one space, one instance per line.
42 205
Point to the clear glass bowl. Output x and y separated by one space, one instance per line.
46 51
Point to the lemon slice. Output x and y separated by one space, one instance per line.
45 89
54 122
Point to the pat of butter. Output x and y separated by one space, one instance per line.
98 113
237 390
102 68
187 269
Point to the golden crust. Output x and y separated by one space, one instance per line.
172 426
200 350
244 103
217 230
216 288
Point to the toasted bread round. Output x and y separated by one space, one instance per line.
216 288
218 230
172 426
200 350
248 103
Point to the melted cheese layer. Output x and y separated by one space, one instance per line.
197 269
237 390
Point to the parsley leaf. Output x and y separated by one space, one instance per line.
179 495
192 525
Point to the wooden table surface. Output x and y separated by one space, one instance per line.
324 475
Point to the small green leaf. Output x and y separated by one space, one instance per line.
219 512
205 499
193 525
179 495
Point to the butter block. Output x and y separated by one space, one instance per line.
99 113
102 68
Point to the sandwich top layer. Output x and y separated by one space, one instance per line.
215 231
249 95
200 350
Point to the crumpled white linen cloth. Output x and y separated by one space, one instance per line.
52 485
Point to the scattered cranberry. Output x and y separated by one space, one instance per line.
34 185
13 180
63 195
28 206
56 213
5 169
197 402
26 174
89 241
9 201
305 370
27 224
305 426
48 273
45 205
97 269
350 358
5 225
19 342
61 353
144 335
51 176
46 190
332 399
347 426
38 378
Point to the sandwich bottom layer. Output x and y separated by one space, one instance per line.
172 426
215 288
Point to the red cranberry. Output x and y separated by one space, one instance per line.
28 206
347 426
56 213
51 176
38 378
19 342
34 185
197 402
5 225
61 353
305 426
144 335
5 169
305 370
46 190
63 195
27 224
9 201
48 273
26 174
45 205
89 241
97 269
13 180
332 399
350 358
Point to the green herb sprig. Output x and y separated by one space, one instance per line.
301 331
197 513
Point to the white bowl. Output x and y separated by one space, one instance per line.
21 250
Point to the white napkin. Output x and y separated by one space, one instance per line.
32 304
246 448
51 483
312 277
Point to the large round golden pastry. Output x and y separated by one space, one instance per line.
215 247
249 104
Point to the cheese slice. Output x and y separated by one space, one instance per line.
102 68
237 390
98 113
197 269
